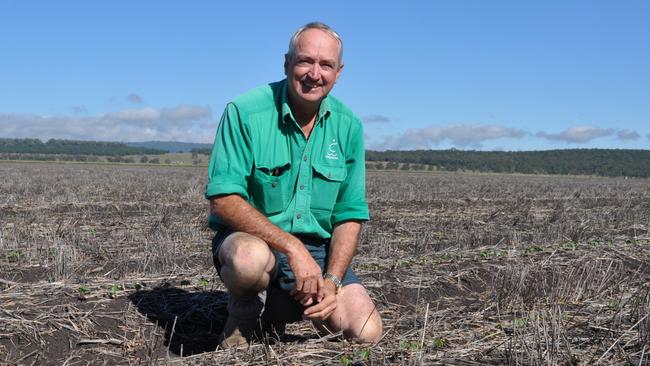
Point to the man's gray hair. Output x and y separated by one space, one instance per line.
315 25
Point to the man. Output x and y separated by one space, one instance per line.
287 198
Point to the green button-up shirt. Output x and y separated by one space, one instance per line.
302 185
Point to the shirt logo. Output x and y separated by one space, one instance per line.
331 153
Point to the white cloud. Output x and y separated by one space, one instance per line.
460 135
577 134
628 135
181 123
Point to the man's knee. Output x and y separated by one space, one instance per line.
357 315
246 262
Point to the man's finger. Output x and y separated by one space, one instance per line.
299 285
318 307
309 286
323 314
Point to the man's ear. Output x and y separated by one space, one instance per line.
286 63
338 72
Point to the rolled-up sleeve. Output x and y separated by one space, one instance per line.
230 163
351 201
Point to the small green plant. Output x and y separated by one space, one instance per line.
365 353
615 304
137 286
520 322
204 282
440 342
532 249
409 345
14 255
113 290
83 290
345 360
570 245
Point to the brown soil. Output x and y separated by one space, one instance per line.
111 265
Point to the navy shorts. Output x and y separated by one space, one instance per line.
282 278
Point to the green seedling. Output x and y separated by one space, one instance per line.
440 342
14 255
520 322
409 345
533 249
204 282
345 360
137 286
83 290
615 304
570 245
365 353
113 290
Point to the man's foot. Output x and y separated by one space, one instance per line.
243 321
238 332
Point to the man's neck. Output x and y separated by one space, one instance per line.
304 113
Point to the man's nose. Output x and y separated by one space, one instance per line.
314 71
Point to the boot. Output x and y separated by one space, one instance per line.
243 321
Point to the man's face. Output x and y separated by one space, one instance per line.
314 68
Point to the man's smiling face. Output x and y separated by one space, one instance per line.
313 69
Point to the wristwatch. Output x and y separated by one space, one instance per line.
335 280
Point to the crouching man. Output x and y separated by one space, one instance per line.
287 198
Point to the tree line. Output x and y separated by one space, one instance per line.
72 147
605 162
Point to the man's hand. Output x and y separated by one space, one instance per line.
309 278
325 303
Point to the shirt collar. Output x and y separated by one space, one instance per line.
323 111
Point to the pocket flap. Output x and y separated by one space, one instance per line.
329 172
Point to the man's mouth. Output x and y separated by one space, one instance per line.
310 86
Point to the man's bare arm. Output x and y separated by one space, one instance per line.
342 248
241 216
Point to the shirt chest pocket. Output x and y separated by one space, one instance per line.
270 189
326 183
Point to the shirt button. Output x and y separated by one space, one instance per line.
298 216
304 158
302 186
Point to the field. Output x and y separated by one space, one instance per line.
111 265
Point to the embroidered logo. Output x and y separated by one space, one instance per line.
331 152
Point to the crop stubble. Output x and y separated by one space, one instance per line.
112 264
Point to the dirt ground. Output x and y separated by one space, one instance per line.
111 265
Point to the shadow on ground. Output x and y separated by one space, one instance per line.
192 320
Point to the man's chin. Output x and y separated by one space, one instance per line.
311 98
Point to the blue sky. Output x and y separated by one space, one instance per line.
485 75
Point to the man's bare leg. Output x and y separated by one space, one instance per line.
246 265
356 315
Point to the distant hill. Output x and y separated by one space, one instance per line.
170 146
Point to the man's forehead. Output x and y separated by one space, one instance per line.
318 38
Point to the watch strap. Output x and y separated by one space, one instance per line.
334 279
